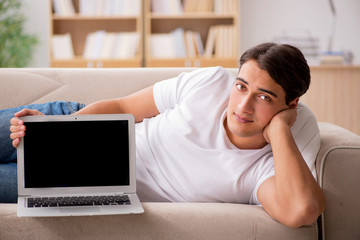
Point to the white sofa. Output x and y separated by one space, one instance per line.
337 164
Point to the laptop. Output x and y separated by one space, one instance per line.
77 165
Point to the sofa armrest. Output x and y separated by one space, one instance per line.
338 167
159 221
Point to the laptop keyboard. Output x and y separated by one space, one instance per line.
78 201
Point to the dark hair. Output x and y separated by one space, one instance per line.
285 64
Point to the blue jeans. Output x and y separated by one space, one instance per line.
8 166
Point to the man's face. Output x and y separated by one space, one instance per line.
254 99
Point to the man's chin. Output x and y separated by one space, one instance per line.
248 140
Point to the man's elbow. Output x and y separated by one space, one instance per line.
304 215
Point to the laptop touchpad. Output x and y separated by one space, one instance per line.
80 210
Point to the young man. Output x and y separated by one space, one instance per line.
195 142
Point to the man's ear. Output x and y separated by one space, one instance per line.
294 103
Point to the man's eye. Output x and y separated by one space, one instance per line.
240 87
265 98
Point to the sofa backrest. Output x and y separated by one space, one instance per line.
21 86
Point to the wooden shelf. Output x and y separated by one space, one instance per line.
200 22
79 26
80 17
333 95
192 62
80 62
191 16
145 24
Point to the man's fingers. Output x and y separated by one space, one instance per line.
27 112
16 138
16 122
16 142
16 135
17 128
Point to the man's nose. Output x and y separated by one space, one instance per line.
246 104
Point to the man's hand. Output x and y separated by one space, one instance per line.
292 196
286 117
17 127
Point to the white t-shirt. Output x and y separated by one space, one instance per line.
184 154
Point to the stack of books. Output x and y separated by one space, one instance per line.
176 44
64 8
330 58
111 45
181 43
98 45
109 7
220 42
105 8
61 46
174 7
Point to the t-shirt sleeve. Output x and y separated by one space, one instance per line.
168 93
307 138
269 172
165 93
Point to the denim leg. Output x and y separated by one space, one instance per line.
8 183
7 151
8 166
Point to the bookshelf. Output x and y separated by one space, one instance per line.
81 18
73 21
166 18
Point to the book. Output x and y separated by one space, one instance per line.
225 6
221 42
199 6
87 7
332 58
190 45
176 44
107 46
93 45
63 8
62 46
168 7
210 42
111 45
89 45
98 42
126 45
198 44
111 8
162 45
179 41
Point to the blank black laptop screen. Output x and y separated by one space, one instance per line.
76 154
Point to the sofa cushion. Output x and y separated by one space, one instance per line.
28 87
160 221
338 165
81 85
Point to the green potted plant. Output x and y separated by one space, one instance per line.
16 47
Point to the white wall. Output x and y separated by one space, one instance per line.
260 21
37 13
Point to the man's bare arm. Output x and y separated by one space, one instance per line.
141 104
292 196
